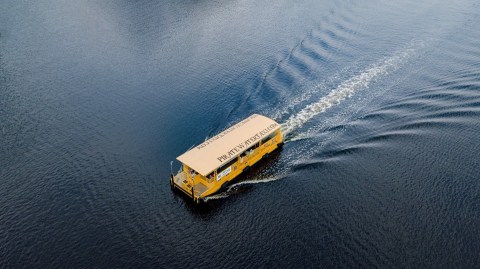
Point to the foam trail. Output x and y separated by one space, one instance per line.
227 193
222 195
343 91
254 181
346 89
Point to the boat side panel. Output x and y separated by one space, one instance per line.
243 163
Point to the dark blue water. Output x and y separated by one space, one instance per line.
379 101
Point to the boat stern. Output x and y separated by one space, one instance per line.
185 185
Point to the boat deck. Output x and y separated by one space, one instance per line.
186 185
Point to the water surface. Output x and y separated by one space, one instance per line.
379 101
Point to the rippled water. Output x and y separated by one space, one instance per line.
380 103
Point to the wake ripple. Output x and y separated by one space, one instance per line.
232 187
344 90
347 89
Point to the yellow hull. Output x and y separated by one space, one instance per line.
197 186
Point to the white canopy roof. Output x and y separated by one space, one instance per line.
225 146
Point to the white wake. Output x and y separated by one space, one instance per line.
232 187
347 89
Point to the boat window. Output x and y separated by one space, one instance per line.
192 173
270 136
249 150
225 166
210 177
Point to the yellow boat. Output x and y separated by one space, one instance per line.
209 167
